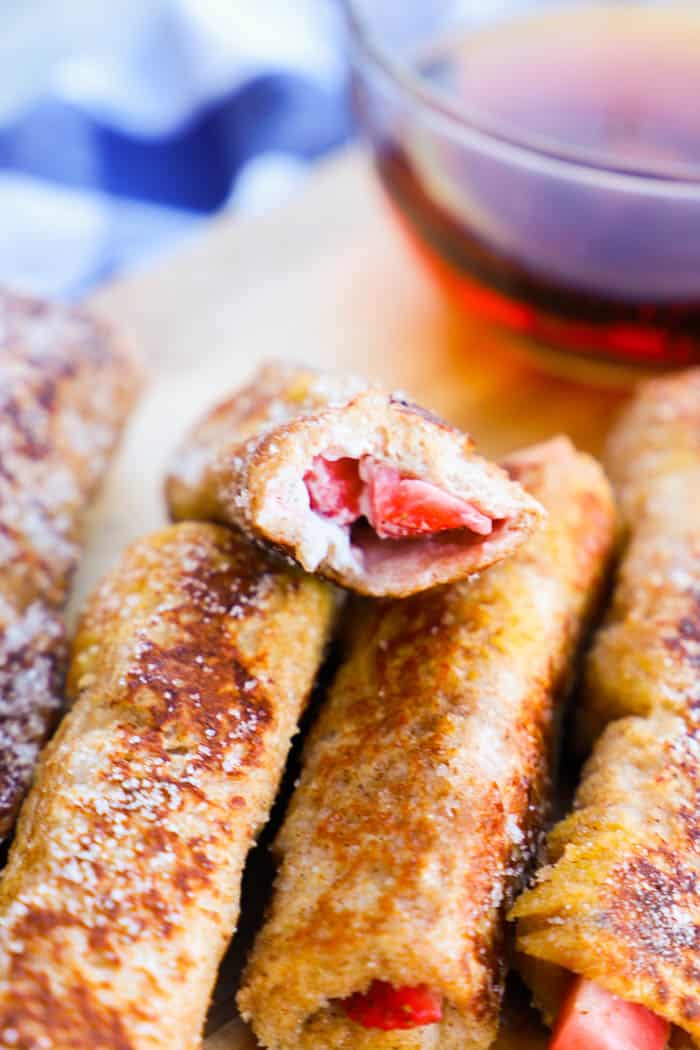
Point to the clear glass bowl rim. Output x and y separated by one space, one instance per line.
462 124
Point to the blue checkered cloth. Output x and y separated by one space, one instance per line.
123 125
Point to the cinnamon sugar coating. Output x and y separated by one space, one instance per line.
66 387
648 652
189 671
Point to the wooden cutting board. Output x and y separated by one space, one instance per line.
326 280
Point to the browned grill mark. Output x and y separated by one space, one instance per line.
655 890
684 643
74 1019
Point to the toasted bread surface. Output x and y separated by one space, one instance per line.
647 652
425 783
619 901
66 388
190 669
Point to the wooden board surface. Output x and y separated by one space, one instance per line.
326 280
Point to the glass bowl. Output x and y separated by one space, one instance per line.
544 160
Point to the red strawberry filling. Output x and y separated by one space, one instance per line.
383 1006
591 1018
345 489
335 488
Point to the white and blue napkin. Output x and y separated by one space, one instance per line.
124 124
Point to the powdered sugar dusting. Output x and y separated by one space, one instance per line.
32 656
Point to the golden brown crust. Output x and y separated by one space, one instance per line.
648 652
245 463
122 886
424 783
620 901
658 434
66 388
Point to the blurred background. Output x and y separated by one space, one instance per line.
123 125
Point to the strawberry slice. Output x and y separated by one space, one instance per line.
335 487
344 489
401 507
593 1019
383 1006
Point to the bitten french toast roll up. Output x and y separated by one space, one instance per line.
190 669
619 903
66 388
354 483
647 652
423 791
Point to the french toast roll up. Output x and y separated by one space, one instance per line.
66 388
190 669
618 905
609 934
423 792
647 652
354 483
